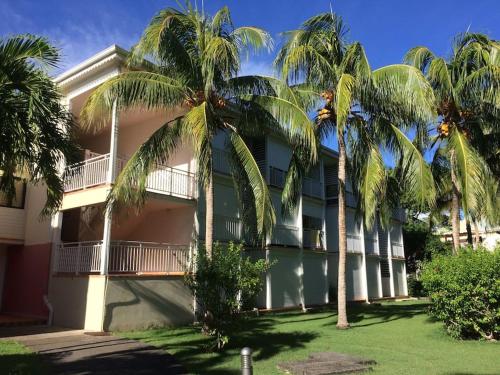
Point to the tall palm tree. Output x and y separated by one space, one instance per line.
467 89
361 107
192 62
35 127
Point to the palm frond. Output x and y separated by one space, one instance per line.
344 100
416 175
143 90
265 215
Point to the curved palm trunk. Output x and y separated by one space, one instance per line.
209 216
342 322
469 232
455 206
477 236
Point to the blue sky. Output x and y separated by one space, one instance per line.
387 28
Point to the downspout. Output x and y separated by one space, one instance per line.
50 308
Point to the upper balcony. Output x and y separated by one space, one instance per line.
12 215
93 173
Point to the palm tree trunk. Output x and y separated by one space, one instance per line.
469 231
342 322
477 236
455 206
209 218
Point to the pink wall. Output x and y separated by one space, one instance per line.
26 280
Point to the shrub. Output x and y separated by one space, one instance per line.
222 284
415 287
465 292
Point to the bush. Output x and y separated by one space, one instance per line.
222 284
465 292
415 287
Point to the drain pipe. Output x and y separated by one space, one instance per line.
50 308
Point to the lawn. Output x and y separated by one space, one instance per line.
399 336
16 359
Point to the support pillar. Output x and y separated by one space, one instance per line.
389 260
364 277
111 175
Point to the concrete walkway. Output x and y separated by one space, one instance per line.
77 353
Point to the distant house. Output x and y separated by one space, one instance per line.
489 236
124 270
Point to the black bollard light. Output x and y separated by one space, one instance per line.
246 361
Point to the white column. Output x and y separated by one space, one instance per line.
379 268
327 281
269 299
405 280
108 217
56 225
364 278
301 252
389 260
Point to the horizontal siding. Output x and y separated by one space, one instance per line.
12 221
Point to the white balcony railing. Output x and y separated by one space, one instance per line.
312 187
124 257
163 179
227 228
397 250
313 239
285 235
88 173
78 257
354 243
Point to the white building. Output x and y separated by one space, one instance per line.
125 270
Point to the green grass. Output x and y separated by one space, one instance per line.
16 359
399 336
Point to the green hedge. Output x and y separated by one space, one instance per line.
465 292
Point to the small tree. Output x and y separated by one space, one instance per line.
222 284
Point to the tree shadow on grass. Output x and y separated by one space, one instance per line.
22 364
379 314
256 333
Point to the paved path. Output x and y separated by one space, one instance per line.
76 353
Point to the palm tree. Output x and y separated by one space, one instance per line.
35 127
467 89
362 107
192 63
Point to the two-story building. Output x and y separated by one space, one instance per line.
124 269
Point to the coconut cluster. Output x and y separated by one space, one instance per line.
199 97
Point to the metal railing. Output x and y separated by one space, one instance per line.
221 161
313 239
124 257
277 177
398 250
78 257
371 246
285 235
312 187
354 243
227 228
88 173
147 257
163 179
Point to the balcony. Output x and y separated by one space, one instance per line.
371 246
125 257
398 250
354 244
163 179
312 187
313 239
285 235
277 177
12 215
